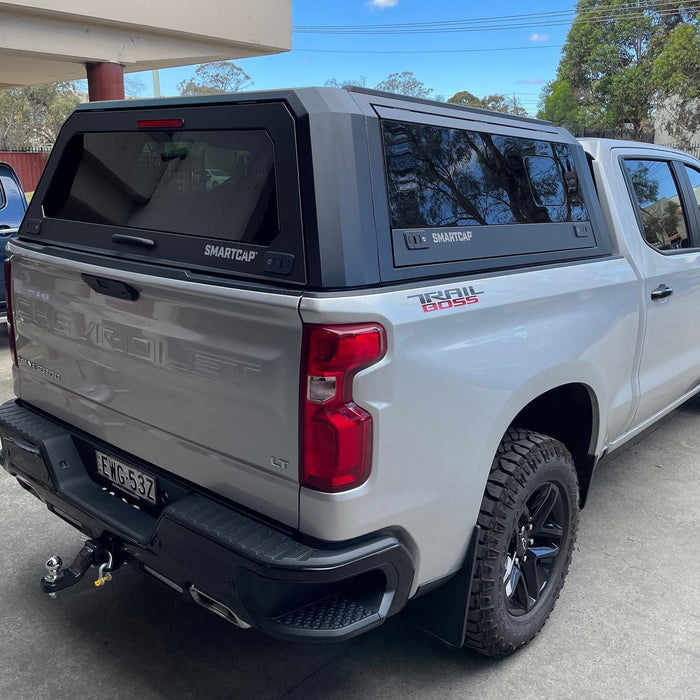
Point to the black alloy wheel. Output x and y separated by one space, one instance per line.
534 548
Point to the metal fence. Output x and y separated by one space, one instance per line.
28 164
692 148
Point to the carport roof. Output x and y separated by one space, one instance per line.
40 44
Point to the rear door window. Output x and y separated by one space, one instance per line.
658 203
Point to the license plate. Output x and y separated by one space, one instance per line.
126 477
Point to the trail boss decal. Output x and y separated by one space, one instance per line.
444 299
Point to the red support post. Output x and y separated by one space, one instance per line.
105 81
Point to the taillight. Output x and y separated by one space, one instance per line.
8 302
336 450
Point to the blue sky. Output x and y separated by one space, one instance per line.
517 56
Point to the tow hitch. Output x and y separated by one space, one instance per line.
94 553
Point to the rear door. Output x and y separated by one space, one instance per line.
666 208
156 304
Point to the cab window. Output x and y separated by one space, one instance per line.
659 204
694 177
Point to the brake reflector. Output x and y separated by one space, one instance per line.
175 123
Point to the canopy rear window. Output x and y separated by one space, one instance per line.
213 184
202 188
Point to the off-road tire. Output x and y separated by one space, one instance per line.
525 463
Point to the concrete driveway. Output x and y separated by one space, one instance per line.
627 624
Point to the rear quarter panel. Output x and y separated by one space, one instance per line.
453 380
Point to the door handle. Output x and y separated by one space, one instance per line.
661 292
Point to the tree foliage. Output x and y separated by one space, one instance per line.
559 104
507 105
606 77
32 116
360 81
215 78
404 83
466 99
495 102
676 72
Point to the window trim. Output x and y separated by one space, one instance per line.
690 192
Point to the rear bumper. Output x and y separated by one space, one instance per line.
266 576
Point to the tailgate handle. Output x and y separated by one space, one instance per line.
111 288
133 240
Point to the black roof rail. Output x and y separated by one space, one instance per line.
436 103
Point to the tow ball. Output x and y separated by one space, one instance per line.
94 553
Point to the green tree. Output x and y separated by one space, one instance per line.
466 99
558 104
507 105
404 83
32 116
495 102
607 62
676 72
215 78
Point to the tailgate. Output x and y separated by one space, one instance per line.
198 379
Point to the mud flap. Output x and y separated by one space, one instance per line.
442 613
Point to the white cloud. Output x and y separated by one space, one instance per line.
532 81
538 38
382 4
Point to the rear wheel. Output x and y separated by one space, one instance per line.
528 521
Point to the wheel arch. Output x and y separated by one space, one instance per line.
443 612
568 413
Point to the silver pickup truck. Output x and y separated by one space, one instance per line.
371 364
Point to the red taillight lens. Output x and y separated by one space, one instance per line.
8 302
336 450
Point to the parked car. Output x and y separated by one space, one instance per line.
215 177
13 204
375 369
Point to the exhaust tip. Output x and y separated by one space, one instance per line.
217 607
